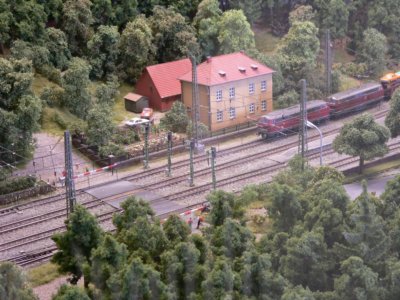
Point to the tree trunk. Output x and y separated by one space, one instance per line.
361 167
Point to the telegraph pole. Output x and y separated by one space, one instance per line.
69 182
169 138
191 150
303 122
195 102
146 146
328 62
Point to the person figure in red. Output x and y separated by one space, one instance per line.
199 221
190 222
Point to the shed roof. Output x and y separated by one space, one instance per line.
133 97
226 68
165 76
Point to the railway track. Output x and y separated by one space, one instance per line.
39 255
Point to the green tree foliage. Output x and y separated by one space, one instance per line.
231 239
106 92
53 9
68 292
307 261
102 12
219 282
235 33
182 271
28 20
39 55
297 51
75 82
75 245
13 284
257 279
100 125
136 49
206 23
392 120
252 9
357 281
302 13
186 8
202 130
138 281
20 110
287 99
333 15
57 45
297 293
366 237
225 205
391 198
107 260
132 209
362 137
77 19
5 23
176 119
124 11
173 37
176 230
284 207
104 51
372 50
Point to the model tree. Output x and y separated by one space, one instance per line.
362 137
392 120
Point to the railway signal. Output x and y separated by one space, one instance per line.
213 151
169 139
146 146
191 150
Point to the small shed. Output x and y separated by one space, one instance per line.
135 102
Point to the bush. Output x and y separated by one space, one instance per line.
126 137
258 219
17 184
53 96
353 69
287 99
51 73
60 121
111 149
202 130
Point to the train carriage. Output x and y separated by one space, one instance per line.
288 119
355 99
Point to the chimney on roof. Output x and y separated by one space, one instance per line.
208 59
254 67
221 73
242 69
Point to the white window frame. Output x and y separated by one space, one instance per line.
251 88
220 115
263 85
264 105
232 92
252 108
218 95
232 113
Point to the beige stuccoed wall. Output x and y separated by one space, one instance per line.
209 105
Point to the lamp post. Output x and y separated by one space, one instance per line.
312 125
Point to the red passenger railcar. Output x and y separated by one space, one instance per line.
283 120
355 99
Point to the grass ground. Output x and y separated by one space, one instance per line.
120 114
42 274
266 42
49 124
374 171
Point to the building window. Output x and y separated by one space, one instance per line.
251 88
264 105
252 108
220 115
219 95
263 85
232 113
231 92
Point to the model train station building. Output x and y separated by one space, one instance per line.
233 89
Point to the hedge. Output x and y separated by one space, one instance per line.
16 184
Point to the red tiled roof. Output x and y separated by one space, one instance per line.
226 68
133 97
165 76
